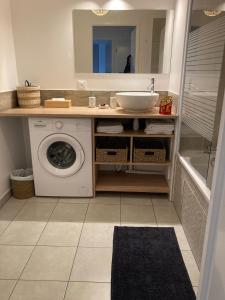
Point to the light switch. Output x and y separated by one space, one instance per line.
82 84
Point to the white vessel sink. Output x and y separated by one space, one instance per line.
137 101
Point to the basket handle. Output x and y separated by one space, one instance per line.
150 153
111 152
27 83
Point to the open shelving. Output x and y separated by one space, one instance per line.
126 182
122 178
132 133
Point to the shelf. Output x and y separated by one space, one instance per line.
131 133
166 163
125 182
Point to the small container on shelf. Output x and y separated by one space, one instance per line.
29 96
113 102
165 107
92 102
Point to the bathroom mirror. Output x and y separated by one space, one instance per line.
128 41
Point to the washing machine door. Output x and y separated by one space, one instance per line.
61 155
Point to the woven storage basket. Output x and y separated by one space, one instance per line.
154 153
29 96
112 149
111 155
22 188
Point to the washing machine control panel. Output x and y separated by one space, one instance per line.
59 124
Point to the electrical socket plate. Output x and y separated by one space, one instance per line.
82 84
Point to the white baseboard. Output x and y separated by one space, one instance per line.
5 197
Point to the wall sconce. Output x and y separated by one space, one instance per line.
100 12
212 12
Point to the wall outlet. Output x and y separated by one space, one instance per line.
82 84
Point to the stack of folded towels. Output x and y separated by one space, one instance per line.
159 127
109 127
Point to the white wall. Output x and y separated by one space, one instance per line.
8 73
11 137
43 32
178 45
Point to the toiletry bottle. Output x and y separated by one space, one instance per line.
135 124
113 102
92 102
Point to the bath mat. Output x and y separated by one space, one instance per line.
147 265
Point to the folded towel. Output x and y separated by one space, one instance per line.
109 127
159 127
159 131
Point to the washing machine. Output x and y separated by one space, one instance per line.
61 151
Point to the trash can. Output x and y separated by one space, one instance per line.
22 183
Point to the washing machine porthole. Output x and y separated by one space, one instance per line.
61 155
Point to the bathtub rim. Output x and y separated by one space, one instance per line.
198 179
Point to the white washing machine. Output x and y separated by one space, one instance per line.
62 156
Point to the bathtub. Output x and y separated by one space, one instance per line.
199 160
196 164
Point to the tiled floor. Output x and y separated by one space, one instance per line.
61 249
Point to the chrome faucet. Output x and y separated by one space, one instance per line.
151 87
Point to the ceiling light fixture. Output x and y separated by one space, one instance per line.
212 12
100 12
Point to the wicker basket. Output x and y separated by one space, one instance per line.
112 149
29 96
22 189
111 155
154 152
22 185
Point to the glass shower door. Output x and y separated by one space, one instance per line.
203 93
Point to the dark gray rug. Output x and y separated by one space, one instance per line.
147 265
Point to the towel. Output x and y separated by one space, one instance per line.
109 127
159 127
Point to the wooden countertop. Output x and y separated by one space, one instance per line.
81 112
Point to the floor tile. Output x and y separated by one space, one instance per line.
13 260
132 215
106 198
88 291
181 238
43 200
98 213
6 287
3 225
97 235
11 209
35 212
92 264
39 290
166 216
74 200
191 266
136 199
61 234
65 212
22 233
49 263
161 200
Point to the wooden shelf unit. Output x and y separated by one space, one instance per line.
131 133
166 163
114 181
128 182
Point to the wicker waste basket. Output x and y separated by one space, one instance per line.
22 183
